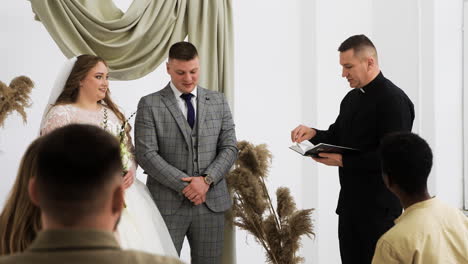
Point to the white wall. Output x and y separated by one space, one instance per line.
268 96
448 83
286 73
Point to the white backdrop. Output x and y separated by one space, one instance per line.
286 73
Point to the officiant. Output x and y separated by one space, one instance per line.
373 108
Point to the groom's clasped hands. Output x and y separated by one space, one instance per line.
196 190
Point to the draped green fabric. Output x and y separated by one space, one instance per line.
210 30
136 42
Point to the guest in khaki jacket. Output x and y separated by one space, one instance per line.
78 188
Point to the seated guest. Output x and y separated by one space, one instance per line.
20 219
428 231
79 190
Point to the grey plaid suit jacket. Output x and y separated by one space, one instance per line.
163 149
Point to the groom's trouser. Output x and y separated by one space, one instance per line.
204 230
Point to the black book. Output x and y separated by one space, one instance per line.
306 148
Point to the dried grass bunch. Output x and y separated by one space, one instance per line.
15 97
278 231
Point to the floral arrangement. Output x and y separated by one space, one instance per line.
125 154
15 97
120 132
278 231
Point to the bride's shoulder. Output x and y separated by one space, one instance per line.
57 116
61 108
61 111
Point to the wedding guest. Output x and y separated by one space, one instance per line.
78 187
374 107
186 143
428 231
20 219
81 96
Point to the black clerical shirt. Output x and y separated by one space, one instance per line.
366 115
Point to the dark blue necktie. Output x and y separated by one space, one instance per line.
190 111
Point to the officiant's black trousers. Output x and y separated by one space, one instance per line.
358 235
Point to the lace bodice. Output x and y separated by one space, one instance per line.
62 115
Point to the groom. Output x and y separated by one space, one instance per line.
186 143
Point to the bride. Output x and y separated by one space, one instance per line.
81 95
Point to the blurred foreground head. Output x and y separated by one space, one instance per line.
78 181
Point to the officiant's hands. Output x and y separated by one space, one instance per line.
330 159
196 190
302 133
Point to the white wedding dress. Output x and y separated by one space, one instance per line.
141 226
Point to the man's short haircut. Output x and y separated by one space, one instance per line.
407 161
358 43
183 50
75 165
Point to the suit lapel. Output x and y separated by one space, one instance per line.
203 100
171 104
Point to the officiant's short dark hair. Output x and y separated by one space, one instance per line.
357 43
406 160
183 50
75 163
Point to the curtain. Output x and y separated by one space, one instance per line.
136 42
210 30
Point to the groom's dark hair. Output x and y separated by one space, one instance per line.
183 50
75 164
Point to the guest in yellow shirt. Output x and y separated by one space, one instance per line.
428 231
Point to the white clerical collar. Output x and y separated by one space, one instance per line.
178 93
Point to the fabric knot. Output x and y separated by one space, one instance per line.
186 96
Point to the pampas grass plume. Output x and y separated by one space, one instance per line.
15 97
278 231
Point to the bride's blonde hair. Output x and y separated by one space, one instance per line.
20 219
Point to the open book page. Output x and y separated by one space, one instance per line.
306 148
302 147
